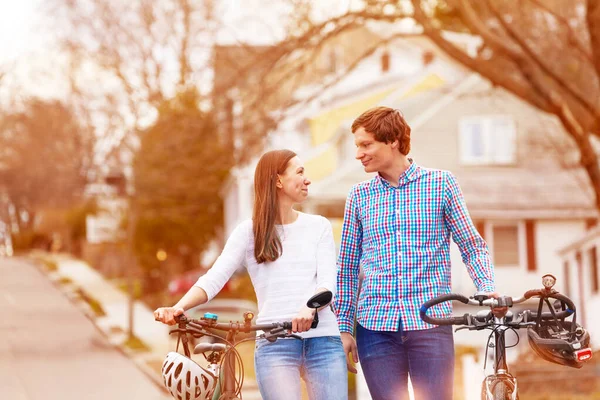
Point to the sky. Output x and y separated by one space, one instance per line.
18 21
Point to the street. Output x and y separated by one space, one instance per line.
50 350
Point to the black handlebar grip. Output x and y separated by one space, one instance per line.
287 325
442 299
565 299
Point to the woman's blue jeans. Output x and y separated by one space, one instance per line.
388 358
319 361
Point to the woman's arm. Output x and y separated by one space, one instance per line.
208 286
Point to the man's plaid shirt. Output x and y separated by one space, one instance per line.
401 238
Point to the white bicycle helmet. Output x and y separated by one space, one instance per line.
185 379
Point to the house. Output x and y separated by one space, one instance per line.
518 170
581 281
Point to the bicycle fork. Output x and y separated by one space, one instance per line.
508 383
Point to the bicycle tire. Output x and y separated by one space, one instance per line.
501 391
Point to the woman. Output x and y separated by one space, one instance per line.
289 256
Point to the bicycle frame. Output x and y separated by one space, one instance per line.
228 371
501 375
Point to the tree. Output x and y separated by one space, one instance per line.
143 52
547 53
179 171
45 157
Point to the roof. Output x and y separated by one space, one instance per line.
546 191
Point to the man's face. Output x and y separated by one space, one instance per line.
375 156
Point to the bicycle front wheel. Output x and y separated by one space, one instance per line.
501 391
498 389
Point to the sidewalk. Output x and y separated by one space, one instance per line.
115 323
116 306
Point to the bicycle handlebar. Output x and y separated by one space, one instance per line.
503 301
198 324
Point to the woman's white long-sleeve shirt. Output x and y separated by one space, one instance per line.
282 287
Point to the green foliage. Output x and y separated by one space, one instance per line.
136 344
65 280
44 158
47 263
179 171
93 303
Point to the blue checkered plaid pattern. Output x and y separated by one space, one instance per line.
400 236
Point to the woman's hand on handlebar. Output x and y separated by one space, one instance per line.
167 315
304 319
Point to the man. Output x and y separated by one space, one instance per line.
397 226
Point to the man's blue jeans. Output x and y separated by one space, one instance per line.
320 361
388 358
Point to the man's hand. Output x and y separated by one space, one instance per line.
498 312
351 351
167 315
304 319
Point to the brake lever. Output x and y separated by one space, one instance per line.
278 332
291 335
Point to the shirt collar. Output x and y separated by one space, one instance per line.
410 174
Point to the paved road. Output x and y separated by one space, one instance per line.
49 350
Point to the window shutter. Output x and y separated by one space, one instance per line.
567 278
530 243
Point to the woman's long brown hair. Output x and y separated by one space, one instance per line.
267 244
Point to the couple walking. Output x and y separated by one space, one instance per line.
397 228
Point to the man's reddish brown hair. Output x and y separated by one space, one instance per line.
386 125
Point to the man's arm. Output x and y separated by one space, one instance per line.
348 265
473 249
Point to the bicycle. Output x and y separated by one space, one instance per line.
550 335
224 376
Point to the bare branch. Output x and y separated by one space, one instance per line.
593 23
573 37
521 88
474 22
590 107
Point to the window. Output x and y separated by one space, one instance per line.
506 240
487 140
385 61
331 60
506 245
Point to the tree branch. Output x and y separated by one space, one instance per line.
521 89
590 107
573 37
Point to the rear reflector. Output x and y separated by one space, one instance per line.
583 354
